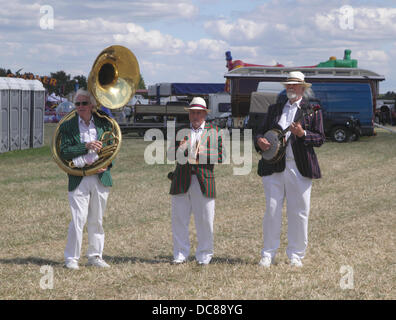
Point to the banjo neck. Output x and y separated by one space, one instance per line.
284 131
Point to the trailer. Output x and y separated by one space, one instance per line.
167 102
142 117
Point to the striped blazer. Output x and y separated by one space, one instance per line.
71 147
213 153
303 148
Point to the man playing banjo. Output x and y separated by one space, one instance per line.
291 175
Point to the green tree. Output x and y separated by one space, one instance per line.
4 72
82 81
141 84
64 85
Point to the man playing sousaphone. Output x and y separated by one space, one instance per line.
80 143
193 185
291 176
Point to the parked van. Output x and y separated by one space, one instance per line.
347 109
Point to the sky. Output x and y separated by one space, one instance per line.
186 40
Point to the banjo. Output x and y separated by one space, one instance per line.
277 139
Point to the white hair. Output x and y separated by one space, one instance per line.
85 93
308 93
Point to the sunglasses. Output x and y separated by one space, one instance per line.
83 103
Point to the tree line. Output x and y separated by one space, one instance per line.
64 83
390 95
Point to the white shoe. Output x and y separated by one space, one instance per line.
265 262
97 262
203 263
178 261
295 262
71 264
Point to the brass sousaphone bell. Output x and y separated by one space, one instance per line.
113 81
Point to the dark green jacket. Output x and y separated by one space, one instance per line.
71 147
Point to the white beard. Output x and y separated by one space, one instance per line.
291 95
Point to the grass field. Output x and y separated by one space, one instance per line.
351 252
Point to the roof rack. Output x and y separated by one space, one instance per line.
310 73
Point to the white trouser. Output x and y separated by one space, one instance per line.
297 190
87 202
203 208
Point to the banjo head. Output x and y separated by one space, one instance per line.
274 138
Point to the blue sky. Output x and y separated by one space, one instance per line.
186 40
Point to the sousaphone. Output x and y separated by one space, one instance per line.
113 80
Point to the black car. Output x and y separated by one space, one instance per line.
341 129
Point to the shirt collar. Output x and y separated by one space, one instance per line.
295 104
80 120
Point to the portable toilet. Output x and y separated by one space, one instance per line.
15 113
25 114
4 115
37 111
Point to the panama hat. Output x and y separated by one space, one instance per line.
296 77
197 103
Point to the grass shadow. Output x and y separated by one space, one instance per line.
30 260
225 260
124 260
169 259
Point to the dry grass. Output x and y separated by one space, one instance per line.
352 223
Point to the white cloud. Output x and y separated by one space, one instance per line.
207 47
241 29
374 55
165 9
153 40
364 23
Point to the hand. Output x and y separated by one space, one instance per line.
183 145
263 144
94 145
296 129
202 151
101 170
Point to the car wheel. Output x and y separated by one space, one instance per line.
340 134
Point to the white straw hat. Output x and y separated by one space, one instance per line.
296 77
198 103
